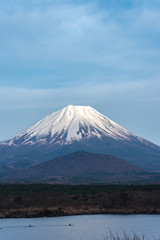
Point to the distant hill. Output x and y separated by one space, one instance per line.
79 167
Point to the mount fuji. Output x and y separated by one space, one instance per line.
76 128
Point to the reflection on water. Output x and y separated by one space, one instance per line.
84 227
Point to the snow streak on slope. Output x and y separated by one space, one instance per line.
72 123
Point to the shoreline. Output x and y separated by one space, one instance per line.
70 211
42 200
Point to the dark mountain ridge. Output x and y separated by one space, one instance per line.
76 165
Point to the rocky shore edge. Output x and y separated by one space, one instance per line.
69 211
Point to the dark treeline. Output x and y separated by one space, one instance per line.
27 200
14 189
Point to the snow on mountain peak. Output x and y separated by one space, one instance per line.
72 123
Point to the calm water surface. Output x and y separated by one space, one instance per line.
86 227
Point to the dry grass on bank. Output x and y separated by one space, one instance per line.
125 236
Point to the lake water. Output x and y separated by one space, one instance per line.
85 227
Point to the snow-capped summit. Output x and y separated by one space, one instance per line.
72 123
72 129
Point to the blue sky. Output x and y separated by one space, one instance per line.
103 53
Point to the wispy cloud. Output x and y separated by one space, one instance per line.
71 42
87 94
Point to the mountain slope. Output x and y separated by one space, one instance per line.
77 128
72 123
